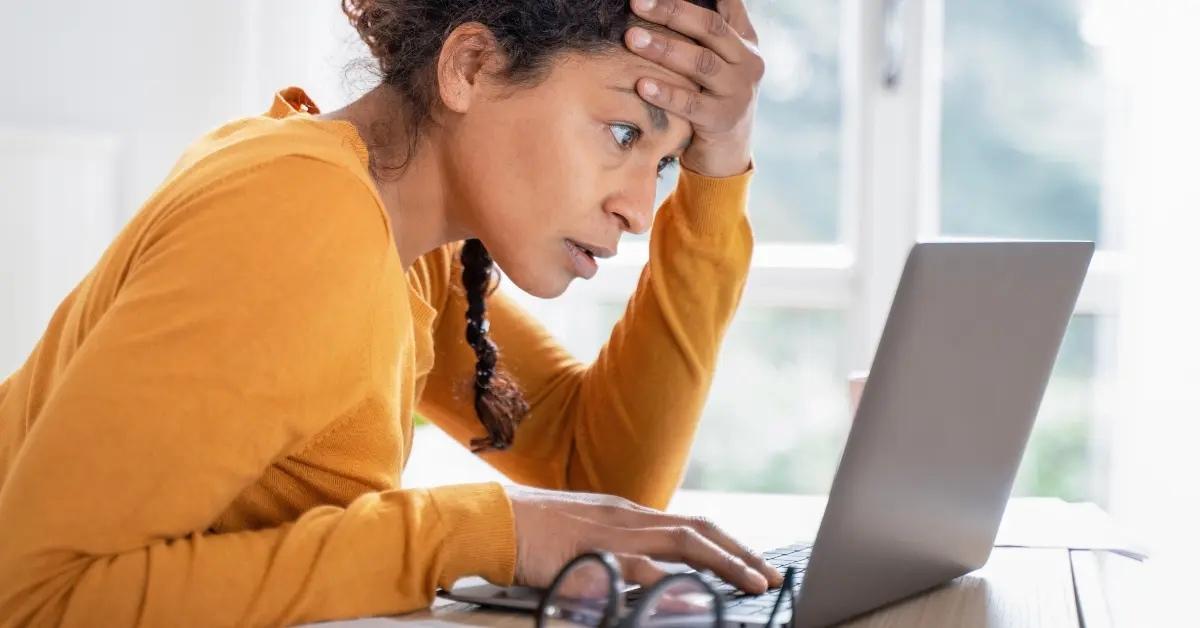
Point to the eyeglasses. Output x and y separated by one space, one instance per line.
589 591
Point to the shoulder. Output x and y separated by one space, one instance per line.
287 157
270 181
281 201
279 218
250 142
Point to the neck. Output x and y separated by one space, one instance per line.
415 197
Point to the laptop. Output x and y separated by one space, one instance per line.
930 459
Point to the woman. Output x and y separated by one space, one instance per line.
211 428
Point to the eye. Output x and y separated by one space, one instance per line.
625 135
666 162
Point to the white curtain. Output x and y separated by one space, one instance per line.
1155 472
91 122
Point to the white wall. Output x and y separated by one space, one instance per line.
97 100
51 232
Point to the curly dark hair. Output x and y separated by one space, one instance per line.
406 37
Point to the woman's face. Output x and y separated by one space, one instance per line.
549 176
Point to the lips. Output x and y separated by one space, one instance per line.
594 250
583 259
590 253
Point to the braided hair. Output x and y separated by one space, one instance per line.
498 401
405 38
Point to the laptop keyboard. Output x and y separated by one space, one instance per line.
742 603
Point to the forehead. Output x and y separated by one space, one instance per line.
619 70
624 68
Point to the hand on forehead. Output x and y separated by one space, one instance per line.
650 69
632 67
716 52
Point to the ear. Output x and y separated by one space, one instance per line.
468 55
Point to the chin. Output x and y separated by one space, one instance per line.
540 278
544 285
540 273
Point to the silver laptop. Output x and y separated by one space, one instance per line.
931 456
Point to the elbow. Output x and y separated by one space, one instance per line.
28 602
37 589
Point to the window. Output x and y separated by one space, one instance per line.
791 331
995 126
777 414
1023 114
797 144
1026 104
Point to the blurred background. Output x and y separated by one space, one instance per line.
880 122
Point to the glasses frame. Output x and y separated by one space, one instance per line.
616 599
611 618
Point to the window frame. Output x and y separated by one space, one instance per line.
889 190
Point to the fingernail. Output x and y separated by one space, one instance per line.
650 88
640 38
645 5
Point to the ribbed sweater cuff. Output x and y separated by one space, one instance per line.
481 534
713 204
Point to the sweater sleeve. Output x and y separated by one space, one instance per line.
623 425
198 376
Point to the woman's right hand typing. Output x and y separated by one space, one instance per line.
553 527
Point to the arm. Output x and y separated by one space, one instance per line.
624 424
232 342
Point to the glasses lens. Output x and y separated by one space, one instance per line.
678 601
581 597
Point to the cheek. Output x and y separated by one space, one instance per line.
550 161
528 178
532 175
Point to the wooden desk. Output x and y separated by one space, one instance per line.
1017 587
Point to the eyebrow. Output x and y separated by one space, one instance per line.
658 117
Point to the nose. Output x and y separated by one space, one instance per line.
634 208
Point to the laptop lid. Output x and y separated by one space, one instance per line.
931 457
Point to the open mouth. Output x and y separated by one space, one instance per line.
583 258
594 251
586 251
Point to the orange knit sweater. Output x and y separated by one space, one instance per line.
212 428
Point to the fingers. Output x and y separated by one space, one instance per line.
723 63
721 539
624 527
706 27
641 570
627 514
683 544
588 581
696 62
719 51
735 547
696 107
738 17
